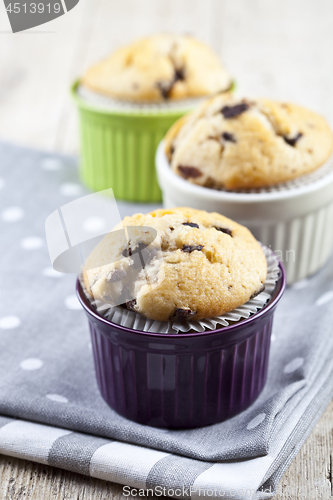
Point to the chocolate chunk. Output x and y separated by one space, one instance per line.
116 275
127 252
179 75
228 137
210 182
224 230
257 292
191 224
182 314
232 111
292 140
189 171
130 305
191 248
166 87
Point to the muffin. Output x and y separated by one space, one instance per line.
159 68
234 144
129 101
206 264
199 265
264 164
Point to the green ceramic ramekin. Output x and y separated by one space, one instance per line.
118 148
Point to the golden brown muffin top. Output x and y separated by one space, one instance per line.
230 143
159 68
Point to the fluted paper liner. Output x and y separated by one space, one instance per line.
112 104
303 180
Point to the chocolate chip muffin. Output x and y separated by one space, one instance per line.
227 143
194 265
159 68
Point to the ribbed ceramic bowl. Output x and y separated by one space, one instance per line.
296 223
182 380
118 148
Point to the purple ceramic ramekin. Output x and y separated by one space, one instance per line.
182 380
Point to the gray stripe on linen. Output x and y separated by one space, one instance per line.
74 451
177 472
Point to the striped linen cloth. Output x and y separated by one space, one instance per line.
51 410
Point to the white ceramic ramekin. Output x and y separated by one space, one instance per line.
295 219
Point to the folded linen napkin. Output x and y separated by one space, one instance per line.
51 409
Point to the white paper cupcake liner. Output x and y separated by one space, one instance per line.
136 321
303 180
108 103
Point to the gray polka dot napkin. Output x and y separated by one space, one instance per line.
51 410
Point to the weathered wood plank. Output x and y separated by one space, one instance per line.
310 474
280 48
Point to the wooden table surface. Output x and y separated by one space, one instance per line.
277 48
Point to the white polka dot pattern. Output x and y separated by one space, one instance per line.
49 272
326 297
12 214
256 421
299 285
9 322
31 364
57 398
32 243
72 303
293 365
70 189
51 164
